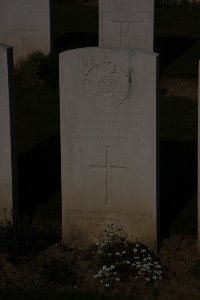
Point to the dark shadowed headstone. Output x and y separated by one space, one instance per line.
199 162
8 165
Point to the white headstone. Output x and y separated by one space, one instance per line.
126 24
199 161
108 143
25 25
7 137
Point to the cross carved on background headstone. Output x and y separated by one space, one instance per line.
22 28
126 24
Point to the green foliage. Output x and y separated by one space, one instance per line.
22 241
37 70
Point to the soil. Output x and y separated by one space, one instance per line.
180 87
45 270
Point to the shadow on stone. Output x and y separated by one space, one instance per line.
73 40
178 182
39 175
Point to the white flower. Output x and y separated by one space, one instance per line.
112 267
117 253
147 279
135 250
137 266
128 262
137 245
143 250
104 268
117 279
106 284
123 252
133 265
158 266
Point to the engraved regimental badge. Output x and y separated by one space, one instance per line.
108 85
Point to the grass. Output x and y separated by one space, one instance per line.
54 295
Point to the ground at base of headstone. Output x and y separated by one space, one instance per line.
180 87
73 271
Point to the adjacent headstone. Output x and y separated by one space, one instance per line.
25 25
8 170
126 24
108 143
199 162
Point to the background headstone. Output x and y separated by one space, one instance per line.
8 162
199 161
126 24
108 143
25 25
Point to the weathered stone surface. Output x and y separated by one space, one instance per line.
199 161
25 25
8 182
108 143
126 24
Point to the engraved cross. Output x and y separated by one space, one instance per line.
22 28
126 15
107 168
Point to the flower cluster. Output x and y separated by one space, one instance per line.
107 275
118 258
